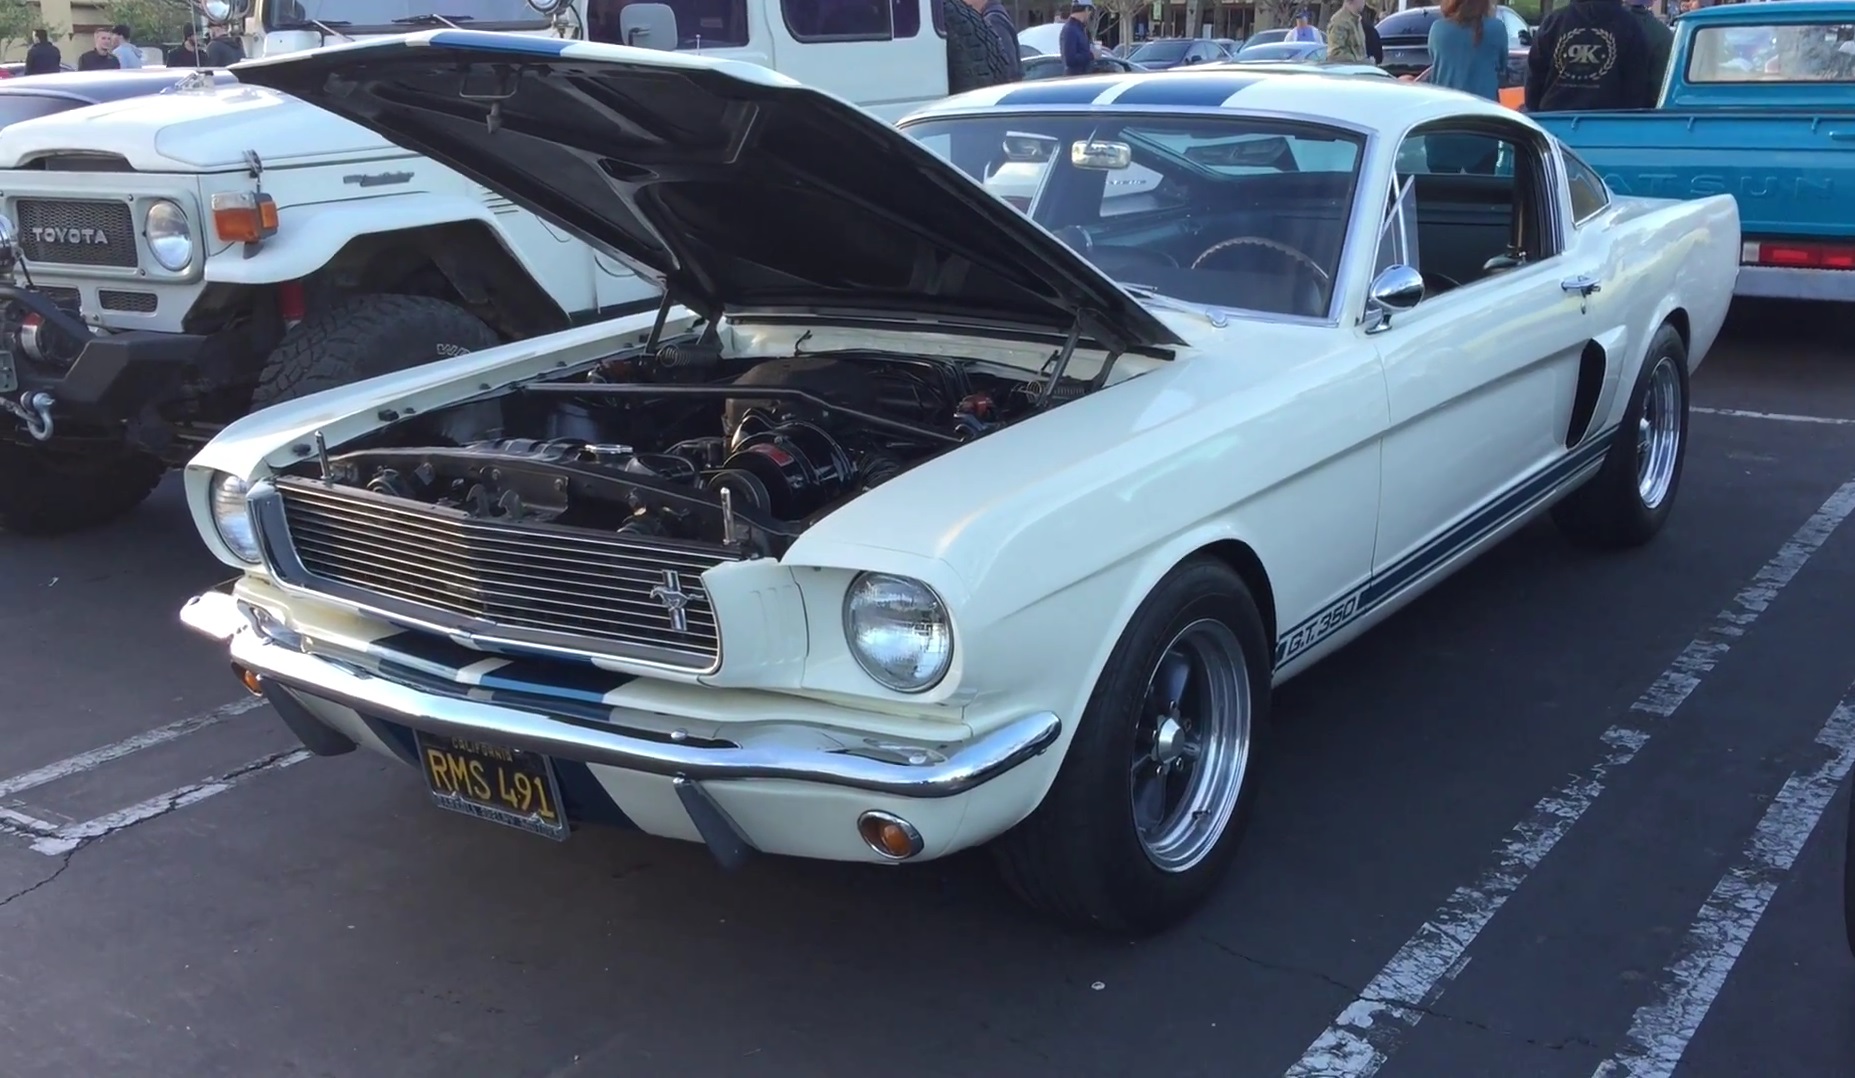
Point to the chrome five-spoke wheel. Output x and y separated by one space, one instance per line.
1192 746
1658 433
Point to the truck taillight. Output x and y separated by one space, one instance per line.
1795 255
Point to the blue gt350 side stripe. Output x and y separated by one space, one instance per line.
1411 570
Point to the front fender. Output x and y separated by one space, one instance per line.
309 237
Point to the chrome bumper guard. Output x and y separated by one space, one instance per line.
633 739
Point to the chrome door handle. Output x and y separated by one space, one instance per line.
1583 285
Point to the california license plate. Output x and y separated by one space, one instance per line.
503 785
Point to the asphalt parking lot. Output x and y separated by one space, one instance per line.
1569 814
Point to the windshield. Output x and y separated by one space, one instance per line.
1160 52
1226 211
1413 23
1812 52
403 16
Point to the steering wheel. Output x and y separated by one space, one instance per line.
1321 275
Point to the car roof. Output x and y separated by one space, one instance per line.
1366 104
98 87
1768 11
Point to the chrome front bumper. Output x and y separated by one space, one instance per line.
633 739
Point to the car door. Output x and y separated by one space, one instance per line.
1482 372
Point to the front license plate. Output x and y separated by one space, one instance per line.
502 785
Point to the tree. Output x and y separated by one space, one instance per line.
150 22
1124 12
17 21
1278 13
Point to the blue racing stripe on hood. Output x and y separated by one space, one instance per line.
1185 91
1067 91
493 41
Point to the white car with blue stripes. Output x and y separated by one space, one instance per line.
917 520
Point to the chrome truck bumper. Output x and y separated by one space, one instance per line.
633 740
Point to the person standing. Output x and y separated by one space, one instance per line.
222 49
188 55
43 58
128 57
1374 45
1590 54
100 58
1346 33
1468 52
998 20
1078 55
1660 38
1302 30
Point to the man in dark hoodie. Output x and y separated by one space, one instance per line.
998 20
1590 54
43 58
1659 36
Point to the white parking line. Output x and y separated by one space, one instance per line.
1782 417
87 761
1364 1035
69 837
1661 1031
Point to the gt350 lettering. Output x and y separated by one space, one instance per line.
1321 626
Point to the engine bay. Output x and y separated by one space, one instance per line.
679 443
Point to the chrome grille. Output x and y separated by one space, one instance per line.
79 233
570 583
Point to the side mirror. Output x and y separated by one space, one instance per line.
644 26
1394 291
1526 37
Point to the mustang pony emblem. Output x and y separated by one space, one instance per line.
94 237
674 599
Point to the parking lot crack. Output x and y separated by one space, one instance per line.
64 862
1355 994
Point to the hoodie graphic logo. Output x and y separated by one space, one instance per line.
1585 54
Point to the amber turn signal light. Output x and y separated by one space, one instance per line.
244 216
250 680
889 835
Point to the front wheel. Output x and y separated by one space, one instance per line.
365 336
1626 503
56 490
1149 807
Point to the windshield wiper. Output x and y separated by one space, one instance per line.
328 27
433 18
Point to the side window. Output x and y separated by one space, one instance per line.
939 15
1482 203
699 23
906 16
839 20
1589 193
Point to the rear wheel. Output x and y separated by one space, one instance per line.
54 490
1626 503
1149 807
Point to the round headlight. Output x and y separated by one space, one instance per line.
169 239
898 630
232 517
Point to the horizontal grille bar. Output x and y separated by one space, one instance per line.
608 589
79 233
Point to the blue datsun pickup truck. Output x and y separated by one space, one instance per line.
1759 101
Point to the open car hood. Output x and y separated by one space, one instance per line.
737 188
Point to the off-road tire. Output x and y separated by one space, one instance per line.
1077 858
363 337
975 57
47 491
1607 512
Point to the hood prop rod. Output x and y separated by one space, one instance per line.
1062 358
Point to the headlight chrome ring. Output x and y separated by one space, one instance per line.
170 238
899 631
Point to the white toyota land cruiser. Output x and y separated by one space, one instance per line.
170 263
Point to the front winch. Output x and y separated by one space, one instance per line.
34 409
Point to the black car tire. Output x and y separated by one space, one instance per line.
363 337
53 490
975 57
1609 511
1079 858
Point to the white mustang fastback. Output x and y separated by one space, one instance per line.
918 519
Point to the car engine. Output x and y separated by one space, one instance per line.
683 444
